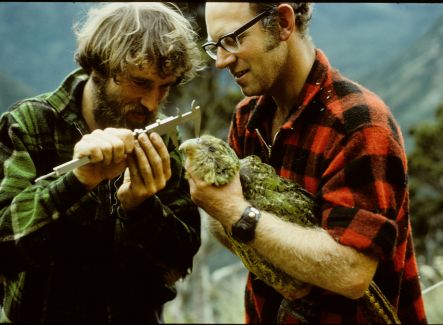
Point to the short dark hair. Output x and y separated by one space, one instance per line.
302 10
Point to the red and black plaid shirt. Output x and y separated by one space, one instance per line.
343 145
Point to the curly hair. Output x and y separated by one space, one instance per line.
302 10
116 35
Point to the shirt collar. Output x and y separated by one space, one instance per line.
67 98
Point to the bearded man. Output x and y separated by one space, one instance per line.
107 241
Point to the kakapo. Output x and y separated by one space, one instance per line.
215 162
212 160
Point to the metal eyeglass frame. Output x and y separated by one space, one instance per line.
233 36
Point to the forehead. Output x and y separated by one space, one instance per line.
225 17
148 71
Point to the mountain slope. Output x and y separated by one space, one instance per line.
412 83
359 37
38 42
10 91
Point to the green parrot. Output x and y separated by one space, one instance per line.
214 161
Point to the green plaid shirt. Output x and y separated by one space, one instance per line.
69 254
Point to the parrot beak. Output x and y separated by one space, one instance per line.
189 145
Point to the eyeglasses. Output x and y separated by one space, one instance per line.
230 42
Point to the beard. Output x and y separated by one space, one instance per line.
110 111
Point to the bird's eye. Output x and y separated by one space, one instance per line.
211 149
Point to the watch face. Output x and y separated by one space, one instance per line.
251 214
244 229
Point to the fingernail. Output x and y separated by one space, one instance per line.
143 137
155 137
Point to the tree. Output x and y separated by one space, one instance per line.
426 199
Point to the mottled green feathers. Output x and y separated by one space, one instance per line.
212 160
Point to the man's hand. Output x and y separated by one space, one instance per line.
224 203
149 168
107 149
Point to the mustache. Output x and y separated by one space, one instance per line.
137 109
146 117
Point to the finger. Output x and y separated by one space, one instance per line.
162 150
127 174
195 189
134 173
153 157
143 164
111 146
192 187
122 141
125 135
90 146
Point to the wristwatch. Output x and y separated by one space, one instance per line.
244 229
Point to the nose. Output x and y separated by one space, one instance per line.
224 58
151 100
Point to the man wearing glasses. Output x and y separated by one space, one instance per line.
338 140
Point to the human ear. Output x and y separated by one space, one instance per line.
286 20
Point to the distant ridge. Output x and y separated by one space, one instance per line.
10 91
412 83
